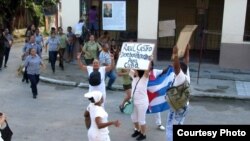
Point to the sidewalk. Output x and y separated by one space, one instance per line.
213 81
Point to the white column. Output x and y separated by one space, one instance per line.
148 22
148 19
234 21
70 13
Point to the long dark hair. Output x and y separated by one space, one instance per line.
140 73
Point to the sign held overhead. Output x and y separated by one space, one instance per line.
135 55
184 38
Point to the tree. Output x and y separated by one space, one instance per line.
20 13
7 12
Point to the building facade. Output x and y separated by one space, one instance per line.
222 33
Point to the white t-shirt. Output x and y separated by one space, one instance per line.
181 77
100 87
140 94
78 29
97 111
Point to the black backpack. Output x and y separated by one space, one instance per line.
95 78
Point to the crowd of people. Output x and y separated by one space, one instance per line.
97 57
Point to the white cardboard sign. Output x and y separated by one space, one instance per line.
135 55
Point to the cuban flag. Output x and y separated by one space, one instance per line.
157 90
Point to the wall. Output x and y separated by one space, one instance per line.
70 13
234 51
234 21
148 19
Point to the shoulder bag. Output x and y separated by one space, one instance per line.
178 96
128 107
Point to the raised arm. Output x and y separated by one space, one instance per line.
176 62
186 55
146 72
81 65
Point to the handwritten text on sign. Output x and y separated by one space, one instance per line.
135 55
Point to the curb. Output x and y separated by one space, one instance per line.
60 82
221 96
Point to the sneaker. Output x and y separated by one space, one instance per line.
135 134
160 127
141 137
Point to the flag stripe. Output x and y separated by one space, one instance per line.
157 89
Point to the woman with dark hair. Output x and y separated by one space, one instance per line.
96 118
91 50
140 101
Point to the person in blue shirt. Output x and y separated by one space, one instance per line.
105 60
53 43
33 63
39 39
7 45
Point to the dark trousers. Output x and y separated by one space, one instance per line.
52 59
6 55
1 59
25 75
61 54
34 79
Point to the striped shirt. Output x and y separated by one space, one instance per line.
104 58
33 64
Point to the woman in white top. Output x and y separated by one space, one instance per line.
96 66
96 118
140 97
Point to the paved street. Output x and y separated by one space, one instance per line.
57 113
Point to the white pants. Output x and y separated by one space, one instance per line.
158 118
139 113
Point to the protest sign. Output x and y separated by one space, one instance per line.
184 38
135 55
